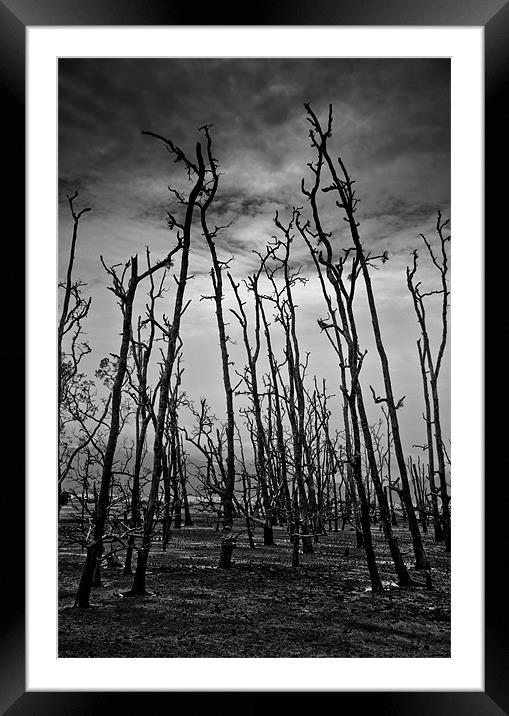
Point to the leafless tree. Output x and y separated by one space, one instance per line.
274 437
250 378
345 330
283 277
126 296
216 273
342 186
434 364
144 398
72 383
171 331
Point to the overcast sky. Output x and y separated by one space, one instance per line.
391 127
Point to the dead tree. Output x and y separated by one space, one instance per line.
141 351
209 440
276 455
356 415
174 482
246 492
82 422
171 332
345 329
216 274
126 298
319 452
418 482
251 380
75 308
342 186
334 332
183 462
173 449
276 264
434 492
387 488
434 364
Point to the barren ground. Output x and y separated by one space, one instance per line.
261 607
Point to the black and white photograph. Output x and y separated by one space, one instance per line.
254 384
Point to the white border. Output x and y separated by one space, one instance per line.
464 670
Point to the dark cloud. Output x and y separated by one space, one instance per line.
391 127
239 203
111 101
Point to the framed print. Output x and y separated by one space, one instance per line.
248 155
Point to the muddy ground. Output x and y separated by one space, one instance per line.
261 607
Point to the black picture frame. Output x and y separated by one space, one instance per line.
15 17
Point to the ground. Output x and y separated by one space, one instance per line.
261 607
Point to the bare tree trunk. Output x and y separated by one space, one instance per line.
141 353
174 478
446 518
245 498
94 548
172 332
188 520
216 273
295 399
385 517
252 384
70 320
367 540
437 526
167 491
418 492
348 202
280 442
348 331
434 367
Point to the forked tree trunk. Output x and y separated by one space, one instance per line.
385 516
346 201
252 384
173 336
216 273
94 548
367 539
434 367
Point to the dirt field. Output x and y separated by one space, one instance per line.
261 607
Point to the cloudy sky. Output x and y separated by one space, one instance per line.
391 127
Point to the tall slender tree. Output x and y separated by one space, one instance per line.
75 308
126 296
251 379
343 187
171 331
441 263
216 273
